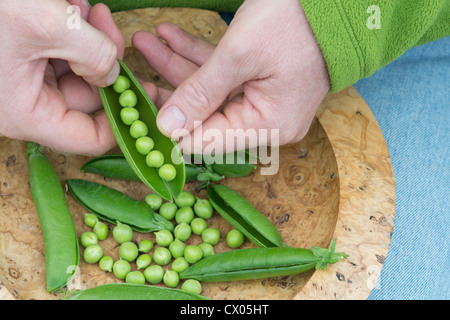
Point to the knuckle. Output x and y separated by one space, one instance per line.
196 96
105 57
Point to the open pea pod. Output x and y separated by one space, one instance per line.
147 114
242 215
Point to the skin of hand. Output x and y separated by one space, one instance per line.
51 73
267 72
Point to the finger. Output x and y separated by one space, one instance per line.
78 94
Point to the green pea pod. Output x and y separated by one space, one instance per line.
60 239
242 215
168 147
130 291
112 206
235 165
113 166
260 263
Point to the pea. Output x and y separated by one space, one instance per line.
143 261
193 253
168 210
101 230
144 145
128 251
136 277
154 274
90 219
121 268
106 263
154 200
185 199
122 83
182 231
203 208
128 98
154 159
207 248
122 233
129 115
167 172
211 236
198 225
146 246
192 286
88 238
162 256
184 214
180 264
93 253
171 278
176 248
138 129
164 238
235 239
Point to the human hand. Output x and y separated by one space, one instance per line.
50 73
267 72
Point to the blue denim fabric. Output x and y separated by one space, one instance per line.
410 98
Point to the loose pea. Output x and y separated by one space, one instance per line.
168 210
101 230
136 277
154 274
164 238
207 248
128 251
122 233
138 129
146 246
193 253
167 172
128 98
88 238
106 263
203 208
235 239
192 286
122 83
90 219
180 264
182 231
162 256
184 214
154 200
144 145
171 278
198 225
143 261
121 268
211 236
154 159
176 248
185 199
93 253
129 115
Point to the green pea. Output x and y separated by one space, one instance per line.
207 248
203 208
192 286
154 274
90 219
162 256
193 253
88 238
167 172
176 248
122 233
122 83
129 115
154 159
93 253
128 251
164 238
146 246
198 225
101 230
235 239
128 99
144 145
184 214
182 231
143 261
211 236
136 277
185 199
121 268
106 263
154 200
138 129
180 264
171 278
168 210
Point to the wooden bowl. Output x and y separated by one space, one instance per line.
337 183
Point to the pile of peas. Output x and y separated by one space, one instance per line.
139 130
190 215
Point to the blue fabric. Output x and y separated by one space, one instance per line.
410 98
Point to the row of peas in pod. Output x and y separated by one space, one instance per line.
168 250
139 130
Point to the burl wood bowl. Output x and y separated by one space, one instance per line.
337 183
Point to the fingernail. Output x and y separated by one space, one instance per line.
113 74
171 119
86 4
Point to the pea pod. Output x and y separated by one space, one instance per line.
130 291
147 113
238 164
260 263
60 240
242 215
112 206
